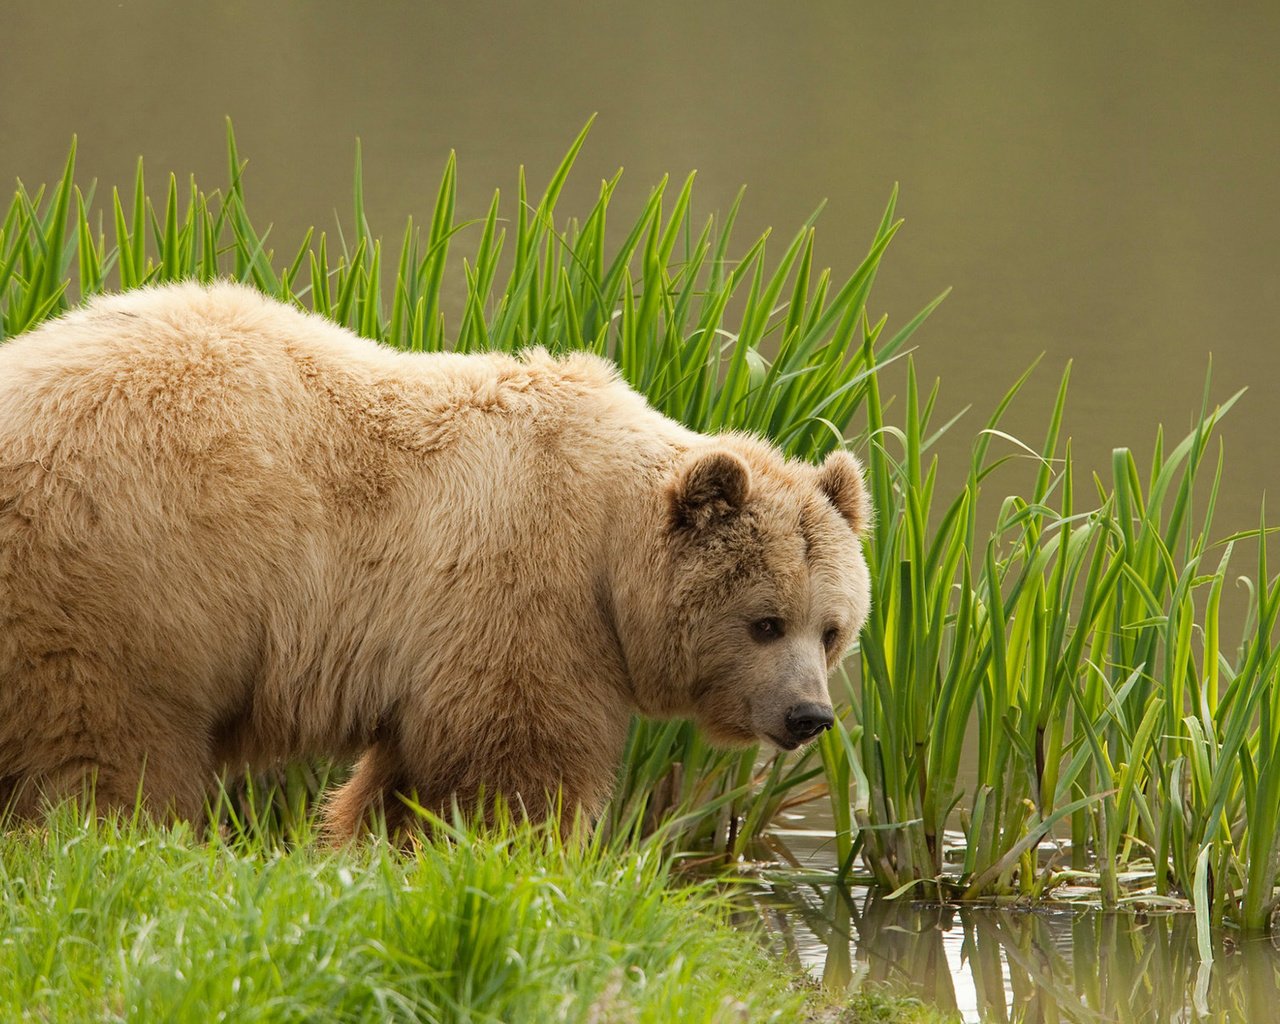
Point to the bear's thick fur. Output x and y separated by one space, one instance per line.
232 533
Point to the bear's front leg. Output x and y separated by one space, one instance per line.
381 779
378 776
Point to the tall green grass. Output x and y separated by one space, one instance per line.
124 921
1057 681
1045 669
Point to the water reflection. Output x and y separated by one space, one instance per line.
1019 966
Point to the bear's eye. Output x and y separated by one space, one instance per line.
830 637
765 630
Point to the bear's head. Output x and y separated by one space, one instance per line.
769 587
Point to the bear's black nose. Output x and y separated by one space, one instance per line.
804 721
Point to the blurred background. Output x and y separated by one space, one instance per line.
1096 183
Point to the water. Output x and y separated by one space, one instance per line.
1097 182
1033 966
992 963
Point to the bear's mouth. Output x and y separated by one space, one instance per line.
778 741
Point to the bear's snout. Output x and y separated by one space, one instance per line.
805 721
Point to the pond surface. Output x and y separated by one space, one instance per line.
1059 964
1012 964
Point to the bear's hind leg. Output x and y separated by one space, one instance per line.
163 784
175 778
168 775
76 724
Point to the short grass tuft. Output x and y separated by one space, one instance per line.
125 921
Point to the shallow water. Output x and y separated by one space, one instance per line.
1059 964
1009 963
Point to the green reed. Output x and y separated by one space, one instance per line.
1070 653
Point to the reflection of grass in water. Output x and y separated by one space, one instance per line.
1079 632
1016 964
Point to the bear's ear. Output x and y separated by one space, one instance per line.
840 479
712 485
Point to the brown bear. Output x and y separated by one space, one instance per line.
233 533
